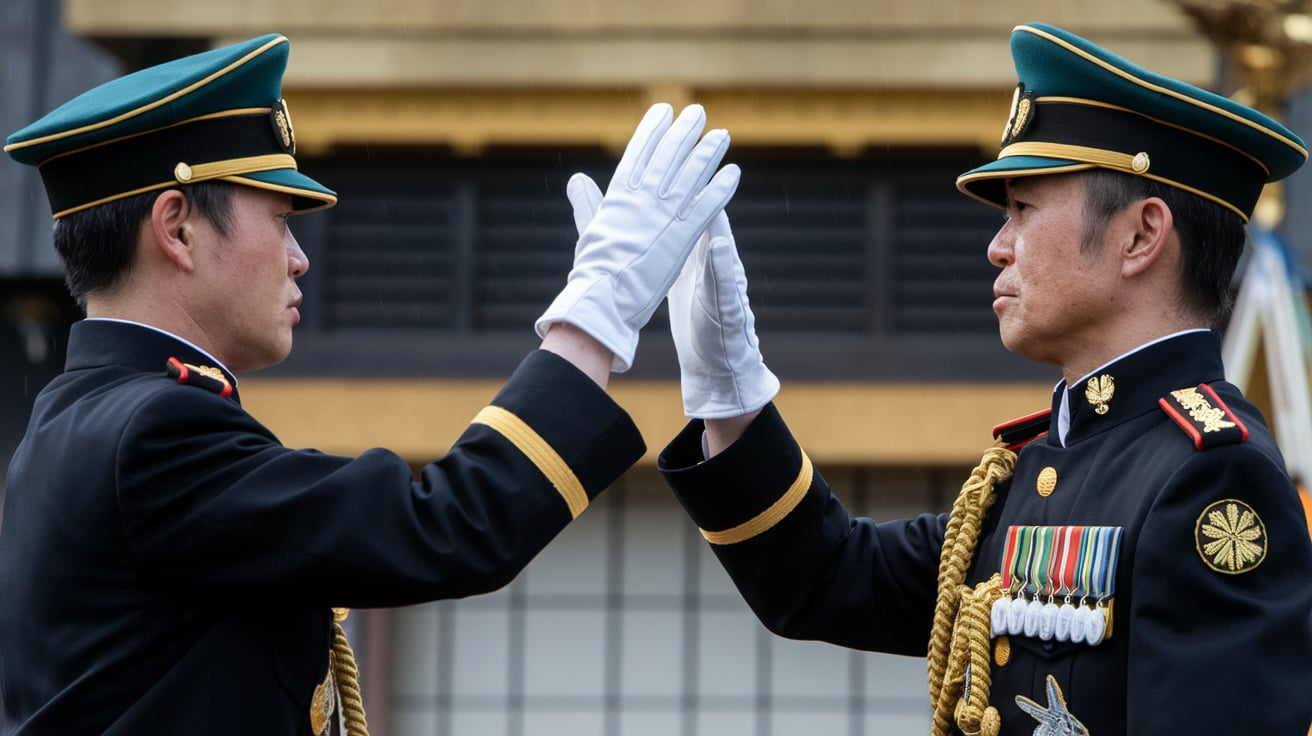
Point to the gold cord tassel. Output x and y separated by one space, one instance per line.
347 676
956 610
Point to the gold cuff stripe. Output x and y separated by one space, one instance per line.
536 449
152 105
1164 91
771 516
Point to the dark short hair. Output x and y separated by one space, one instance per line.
98 244
1212 237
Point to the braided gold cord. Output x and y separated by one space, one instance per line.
972 629
959 541
347 676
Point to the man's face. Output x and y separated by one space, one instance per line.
251 281
1052 300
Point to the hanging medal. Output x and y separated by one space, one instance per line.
1104 581
1038 567
1084 573
1017 608
1051 538
998 613
1071 537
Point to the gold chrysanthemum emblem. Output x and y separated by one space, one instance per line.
1231 537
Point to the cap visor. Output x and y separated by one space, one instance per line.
307 194
987 183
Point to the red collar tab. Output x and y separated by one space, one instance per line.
1020 432
205 376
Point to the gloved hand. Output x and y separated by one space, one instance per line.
720 365
664 192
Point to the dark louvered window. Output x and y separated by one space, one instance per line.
876 263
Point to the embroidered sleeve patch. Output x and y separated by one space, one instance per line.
1230 536
1203 416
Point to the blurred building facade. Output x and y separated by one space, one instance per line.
449 130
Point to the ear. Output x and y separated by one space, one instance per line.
1151 233
172 224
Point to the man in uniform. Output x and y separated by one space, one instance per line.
1133 561
167 566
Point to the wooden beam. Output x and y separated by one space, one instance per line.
838 423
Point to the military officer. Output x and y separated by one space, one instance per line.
167 566
1131 561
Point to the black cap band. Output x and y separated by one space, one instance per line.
141 163
1150 148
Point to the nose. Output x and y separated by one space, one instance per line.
297 262
1001 251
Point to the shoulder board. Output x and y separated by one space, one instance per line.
1020 432
1203 416
205 376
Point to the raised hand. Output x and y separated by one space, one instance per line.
664 193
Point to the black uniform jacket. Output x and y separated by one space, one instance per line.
1196 647
167 566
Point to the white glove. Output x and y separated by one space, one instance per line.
660 199
720 365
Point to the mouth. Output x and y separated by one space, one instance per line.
1000 299
295 307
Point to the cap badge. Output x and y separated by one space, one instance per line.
282 126
1022 114
1230 536
1099 391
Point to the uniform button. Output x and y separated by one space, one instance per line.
1002 651
1047 481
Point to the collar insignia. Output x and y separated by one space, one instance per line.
1099 391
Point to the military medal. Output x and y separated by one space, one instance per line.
1001 609
1020 567
1059 582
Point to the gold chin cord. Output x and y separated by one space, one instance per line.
347 677
958 655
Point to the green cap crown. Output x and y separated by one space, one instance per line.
1078 106
214 115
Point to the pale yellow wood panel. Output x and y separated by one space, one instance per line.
837 423
844 120
893 62
946 16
